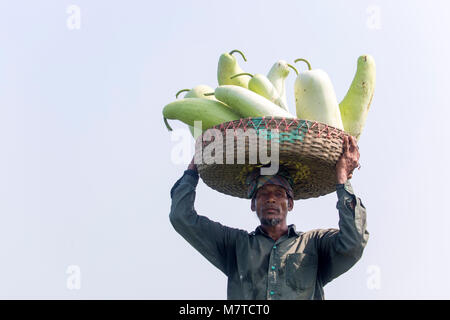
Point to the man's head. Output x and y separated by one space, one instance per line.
271 203
272 196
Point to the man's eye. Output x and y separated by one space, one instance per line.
261 194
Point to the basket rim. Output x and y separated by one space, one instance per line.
269 119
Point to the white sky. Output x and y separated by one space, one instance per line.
85 166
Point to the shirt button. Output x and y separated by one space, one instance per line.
273 267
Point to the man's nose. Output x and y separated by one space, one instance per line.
270 199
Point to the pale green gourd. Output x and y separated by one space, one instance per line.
209 112
228 67
356 103
248 103
197 92
262 86
315 98
277 75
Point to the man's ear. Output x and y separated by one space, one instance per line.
253 204
290 204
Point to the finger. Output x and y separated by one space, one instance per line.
346 146
351 148
353 145
356 143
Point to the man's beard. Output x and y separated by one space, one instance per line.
270 222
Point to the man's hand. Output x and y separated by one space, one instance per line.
348 160
192 165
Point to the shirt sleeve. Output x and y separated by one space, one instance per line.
340 249
213 240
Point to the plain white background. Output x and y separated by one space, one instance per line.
86 167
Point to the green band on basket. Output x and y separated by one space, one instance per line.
296 134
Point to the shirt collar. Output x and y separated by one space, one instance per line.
291 231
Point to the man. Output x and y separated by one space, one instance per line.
275 261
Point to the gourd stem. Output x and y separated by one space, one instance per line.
233 51
304 60
291 66
241 74
167 124
182 90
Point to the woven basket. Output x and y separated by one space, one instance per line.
309 150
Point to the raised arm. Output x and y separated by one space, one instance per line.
340 249
213 240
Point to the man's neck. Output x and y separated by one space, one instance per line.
275 232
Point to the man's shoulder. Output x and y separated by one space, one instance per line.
318 233
237 232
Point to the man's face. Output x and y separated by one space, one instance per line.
272 204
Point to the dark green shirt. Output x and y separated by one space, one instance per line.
296 266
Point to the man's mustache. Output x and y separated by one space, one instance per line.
265 208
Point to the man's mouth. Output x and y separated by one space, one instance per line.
271 210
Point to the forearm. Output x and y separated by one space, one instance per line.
210 238
353 235
339 249
183 197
